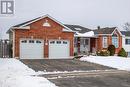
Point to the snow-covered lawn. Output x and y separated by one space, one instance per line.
13 73
120 63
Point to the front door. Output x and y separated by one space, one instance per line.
84 45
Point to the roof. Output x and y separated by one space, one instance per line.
126 33
106 30
78 28
24 24
21 24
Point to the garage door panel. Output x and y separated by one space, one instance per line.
58 49
31 49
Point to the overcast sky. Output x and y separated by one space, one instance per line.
88 13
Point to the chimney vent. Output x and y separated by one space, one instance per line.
98 27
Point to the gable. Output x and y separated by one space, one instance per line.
26 25
117 32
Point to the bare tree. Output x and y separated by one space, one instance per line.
127 26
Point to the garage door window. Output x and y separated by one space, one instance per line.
38 41
58 42
64 42
31 41
52 42
24 41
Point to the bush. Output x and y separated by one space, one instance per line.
122 53
111 49
103 53
75 54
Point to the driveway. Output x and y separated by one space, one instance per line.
63 65
86 74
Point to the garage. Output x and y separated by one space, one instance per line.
59 49
31 49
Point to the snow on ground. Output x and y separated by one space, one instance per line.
120 63
13 73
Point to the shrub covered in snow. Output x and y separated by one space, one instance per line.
103 53
111 49
122 53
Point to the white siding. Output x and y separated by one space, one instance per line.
126 47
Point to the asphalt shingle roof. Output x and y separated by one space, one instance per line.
78 28
106 30
126 33
18 25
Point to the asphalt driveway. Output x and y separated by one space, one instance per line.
90 75
62 65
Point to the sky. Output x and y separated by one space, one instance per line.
87 13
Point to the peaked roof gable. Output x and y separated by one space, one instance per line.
25 24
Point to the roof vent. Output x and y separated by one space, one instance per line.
46 24
98 27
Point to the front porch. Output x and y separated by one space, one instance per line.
85 45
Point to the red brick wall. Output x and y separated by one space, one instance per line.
44 33
92 43
99 42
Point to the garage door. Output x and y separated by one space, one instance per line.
58 49
31 49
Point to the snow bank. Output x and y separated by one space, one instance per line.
13 73
120 63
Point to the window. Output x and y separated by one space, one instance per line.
86 42
58 42
64 42
115 41
104 42
127 41
31 41
128 54
52 42
38 41
24 41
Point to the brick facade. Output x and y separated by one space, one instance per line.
37 31
109 41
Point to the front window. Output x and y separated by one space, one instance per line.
104 42
127 41
128 54
115 41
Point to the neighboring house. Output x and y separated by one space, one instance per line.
43 37
98 39
126 41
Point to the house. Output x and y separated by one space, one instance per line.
96 39
126 41
41 38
